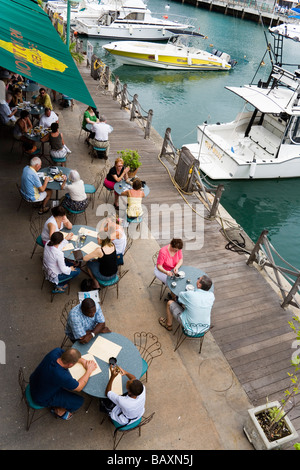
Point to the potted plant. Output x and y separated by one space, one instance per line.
132 159
268 427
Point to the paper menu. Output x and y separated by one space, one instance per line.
88 232
74 237
104 349
68 247
117 384
77 371
90 247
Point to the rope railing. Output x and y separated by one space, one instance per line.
263 254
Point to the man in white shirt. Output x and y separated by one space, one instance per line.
48 118
130 407
7 115
101 132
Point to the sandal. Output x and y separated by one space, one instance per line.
66 416
163 322
43 210
60 290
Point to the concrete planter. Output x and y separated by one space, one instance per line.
257 437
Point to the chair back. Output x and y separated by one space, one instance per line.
22 383
66 310
154 258
145 420
36 226
148 346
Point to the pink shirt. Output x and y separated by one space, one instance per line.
167 261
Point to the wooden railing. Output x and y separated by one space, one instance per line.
287 279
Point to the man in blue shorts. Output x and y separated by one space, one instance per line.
52 385
31 186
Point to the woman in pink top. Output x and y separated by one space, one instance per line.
169 259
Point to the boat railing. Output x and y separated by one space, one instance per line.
187 178
186 20
286 277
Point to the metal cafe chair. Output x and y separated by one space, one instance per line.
36 226
54 290
149 348
31 204
64 317
157 281
32 407
182 335
128 428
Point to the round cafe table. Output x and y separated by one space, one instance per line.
123 186
128 358
54 185
190 274
68 254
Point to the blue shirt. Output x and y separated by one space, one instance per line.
30 183
197 308
49 378
78 323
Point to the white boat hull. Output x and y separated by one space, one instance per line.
172 56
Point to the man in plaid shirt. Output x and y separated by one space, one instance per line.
85 321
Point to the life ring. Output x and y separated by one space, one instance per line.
98 63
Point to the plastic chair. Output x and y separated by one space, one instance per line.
128 428
183 334
64 318
149 348
26 396
155 280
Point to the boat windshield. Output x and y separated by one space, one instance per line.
183 40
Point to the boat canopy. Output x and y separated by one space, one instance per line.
275 101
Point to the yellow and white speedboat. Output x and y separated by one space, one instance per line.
177 54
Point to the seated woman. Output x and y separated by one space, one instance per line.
55 223
22 126
55 138
105 266
169 259
134 199
111 226
116 174
17 97
76 198
56 269
89 117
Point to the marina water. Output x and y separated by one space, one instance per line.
182 100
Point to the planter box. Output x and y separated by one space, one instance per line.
257 437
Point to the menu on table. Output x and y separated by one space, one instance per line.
77 371
104 349
90 247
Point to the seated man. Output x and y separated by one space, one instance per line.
101 131
193 308
48 118
43 99
127 408
52 385
7 114
85 321
31 186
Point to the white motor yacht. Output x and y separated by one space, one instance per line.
131 20
262 143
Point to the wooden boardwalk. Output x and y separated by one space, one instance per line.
249 326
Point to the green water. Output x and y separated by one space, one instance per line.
182 100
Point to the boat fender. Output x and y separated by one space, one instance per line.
252 168
163 31
189 60
130 29
156 57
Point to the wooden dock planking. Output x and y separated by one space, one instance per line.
249 325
